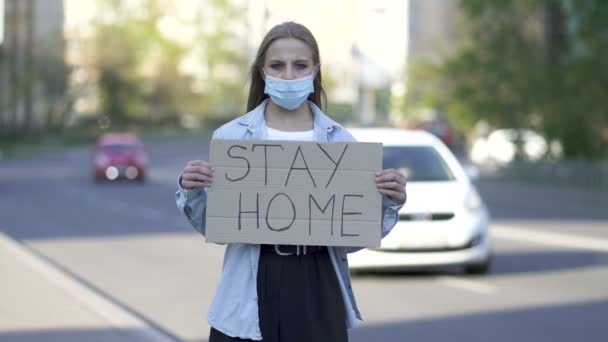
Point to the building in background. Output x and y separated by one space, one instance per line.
363 47
380 52
366 47
432 29
432 35
32 68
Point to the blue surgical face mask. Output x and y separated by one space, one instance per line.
289 94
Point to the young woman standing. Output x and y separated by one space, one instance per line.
283 293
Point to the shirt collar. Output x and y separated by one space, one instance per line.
254 120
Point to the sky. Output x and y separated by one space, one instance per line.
336 24
78 12
378 29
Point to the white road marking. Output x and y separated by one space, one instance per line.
114 315
468 285
549 238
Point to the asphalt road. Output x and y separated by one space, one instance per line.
129 243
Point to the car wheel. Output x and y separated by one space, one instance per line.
479 268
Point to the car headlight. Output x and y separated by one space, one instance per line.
473 201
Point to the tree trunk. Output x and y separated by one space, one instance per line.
3 84
13 80
28 72
555 31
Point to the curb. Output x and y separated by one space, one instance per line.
115 314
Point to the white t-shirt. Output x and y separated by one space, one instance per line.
274 134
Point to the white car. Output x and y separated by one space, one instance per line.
500 147
444 221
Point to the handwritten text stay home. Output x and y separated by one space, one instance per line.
294 193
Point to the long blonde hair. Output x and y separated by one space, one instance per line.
284 30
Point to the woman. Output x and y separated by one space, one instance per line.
269 292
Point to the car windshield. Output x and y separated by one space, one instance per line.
418 163
118 148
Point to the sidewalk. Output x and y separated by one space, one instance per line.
39 302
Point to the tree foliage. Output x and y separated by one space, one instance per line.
538 63
140 67
224 58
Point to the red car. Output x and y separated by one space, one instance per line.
119 156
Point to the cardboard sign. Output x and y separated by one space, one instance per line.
292 192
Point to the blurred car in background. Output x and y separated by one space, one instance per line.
441 129
444 221
119 156
435 122
500 147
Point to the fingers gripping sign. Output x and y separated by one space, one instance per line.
197 174
391 183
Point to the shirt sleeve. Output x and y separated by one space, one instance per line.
193 203
390 214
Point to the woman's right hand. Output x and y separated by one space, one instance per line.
197 174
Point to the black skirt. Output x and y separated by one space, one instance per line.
299 298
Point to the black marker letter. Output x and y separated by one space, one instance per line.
311 199
237 157
256 211
299 151
265 158
333 161
293 209
347 213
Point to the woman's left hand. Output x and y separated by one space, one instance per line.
392 183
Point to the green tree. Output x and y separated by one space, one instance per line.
224 56
523 60
51 73
576 75
139 77
118 54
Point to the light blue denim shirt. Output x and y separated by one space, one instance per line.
234 309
